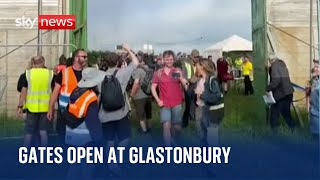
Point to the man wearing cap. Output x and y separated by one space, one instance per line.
188 69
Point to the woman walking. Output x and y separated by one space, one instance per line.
210 105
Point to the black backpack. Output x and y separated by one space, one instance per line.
147 81
112 98
130 84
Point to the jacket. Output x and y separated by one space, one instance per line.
280 83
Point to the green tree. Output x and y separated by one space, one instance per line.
94 57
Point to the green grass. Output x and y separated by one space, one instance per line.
244 120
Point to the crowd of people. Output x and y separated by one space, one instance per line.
92 105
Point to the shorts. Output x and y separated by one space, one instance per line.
36 121
143 108
171 114
119 129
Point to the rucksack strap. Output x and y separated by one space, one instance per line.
115 72
211 79
210 82
78 92
159 75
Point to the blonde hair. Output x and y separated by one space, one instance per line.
208 66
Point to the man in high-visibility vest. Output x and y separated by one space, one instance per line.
238 63
188 70
35 96
65 82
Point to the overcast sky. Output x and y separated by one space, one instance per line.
180 25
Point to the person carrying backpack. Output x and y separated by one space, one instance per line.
210 105
82 123
141 92
114 108
83 128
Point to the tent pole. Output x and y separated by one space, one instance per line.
318 9
39 50
311 36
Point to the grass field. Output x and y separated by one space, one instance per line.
244 129
244 119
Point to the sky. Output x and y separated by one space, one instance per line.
179 25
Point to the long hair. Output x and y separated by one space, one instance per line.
208 66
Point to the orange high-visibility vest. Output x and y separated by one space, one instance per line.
69 83
80 135
80 107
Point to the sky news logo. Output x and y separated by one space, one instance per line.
48 22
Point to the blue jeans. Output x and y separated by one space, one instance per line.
207 128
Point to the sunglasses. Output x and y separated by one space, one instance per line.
85 57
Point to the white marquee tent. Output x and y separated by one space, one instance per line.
233 43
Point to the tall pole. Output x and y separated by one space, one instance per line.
39 50
318 18
311 36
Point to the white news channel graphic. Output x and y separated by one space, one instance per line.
137 155
26 22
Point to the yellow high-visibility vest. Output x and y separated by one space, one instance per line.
238 63
39 90
189 70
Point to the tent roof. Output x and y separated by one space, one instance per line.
233 43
